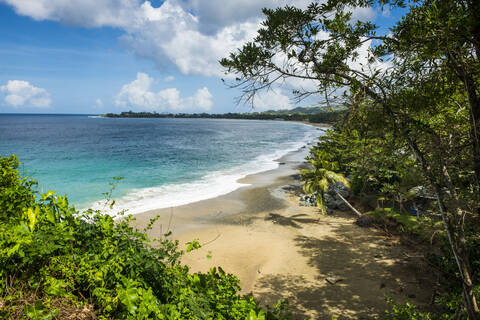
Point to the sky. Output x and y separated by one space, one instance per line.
97 56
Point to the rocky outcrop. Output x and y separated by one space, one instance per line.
333 201
308 201
331 198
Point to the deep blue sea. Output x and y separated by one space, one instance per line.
164 162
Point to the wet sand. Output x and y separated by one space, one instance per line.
253 198
324 265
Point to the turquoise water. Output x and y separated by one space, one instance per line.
164 162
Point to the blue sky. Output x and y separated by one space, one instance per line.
95 56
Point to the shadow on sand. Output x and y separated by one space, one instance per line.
292 221
355 273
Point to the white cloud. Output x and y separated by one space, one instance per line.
169 78
98 103
273 99
361 63
169 34
214 15
139 95
85 13
20 93
202 99
192 35
363 14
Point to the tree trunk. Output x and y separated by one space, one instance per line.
454 231
474 102
347 203
471 90
457 244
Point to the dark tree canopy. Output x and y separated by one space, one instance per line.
421 82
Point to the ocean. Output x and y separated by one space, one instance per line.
163 162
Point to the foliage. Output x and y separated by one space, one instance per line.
427 227
406 312
312 114
320 177
52 256
374 165
16 193
415 120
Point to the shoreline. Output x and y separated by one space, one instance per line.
212 185
326 266
198 214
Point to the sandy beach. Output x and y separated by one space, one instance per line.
325 266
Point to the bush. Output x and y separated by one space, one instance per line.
406 312
56 262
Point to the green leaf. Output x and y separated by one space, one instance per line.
32 215
193 245
129 297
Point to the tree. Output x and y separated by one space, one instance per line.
427 93
319 179
376 162
444 36
58 263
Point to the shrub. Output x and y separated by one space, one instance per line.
56 262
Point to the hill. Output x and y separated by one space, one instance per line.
309 114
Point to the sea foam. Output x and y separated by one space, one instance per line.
212 185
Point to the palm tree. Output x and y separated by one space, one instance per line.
319 178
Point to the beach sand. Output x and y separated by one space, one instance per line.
324 265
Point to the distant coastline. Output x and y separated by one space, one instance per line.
307 114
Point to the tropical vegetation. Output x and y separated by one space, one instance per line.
413 120
308 114
58 263
408 142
